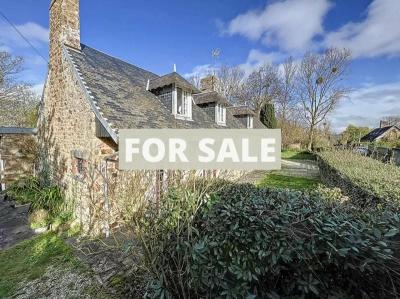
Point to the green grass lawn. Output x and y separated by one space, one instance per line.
297 155
30 259
288 182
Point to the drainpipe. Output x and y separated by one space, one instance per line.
107 159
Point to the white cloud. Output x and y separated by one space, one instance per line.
367 105
378 34
257 58
200 70
35 33
290 25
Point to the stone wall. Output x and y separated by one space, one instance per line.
18 153
396 156
67 125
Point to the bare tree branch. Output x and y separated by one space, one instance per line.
320 86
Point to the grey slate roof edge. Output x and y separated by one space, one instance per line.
18 130
376 133
241 110
89 97
210 97
173 77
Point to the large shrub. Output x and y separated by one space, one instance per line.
31 191
367 181
279 244
240 241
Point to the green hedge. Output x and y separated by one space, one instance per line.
365 180
278 244
249 242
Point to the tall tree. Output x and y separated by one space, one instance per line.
267 116
230 82
286 101
321 86
261 87
17 101
353 134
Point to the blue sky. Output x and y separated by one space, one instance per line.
157 34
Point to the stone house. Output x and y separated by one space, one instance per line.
383 133
18 150
89 96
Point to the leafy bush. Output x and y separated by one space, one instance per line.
240 241
278 244
167 231
30 191
365 180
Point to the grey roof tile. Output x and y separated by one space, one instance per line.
376 133
118 89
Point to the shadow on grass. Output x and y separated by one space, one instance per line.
297 155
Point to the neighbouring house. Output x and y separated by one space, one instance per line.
383 133
18 152
89 96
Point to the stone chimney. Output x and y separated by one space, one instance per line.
208 83
384 123
64 27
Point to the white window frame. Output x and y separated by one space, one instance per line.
250 122
2 174
187 99
220 115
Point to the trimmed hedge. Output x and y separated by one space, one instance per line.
366 181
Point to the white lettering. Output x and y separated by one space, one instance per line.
246 152
228 151
177 147
207 150
267 147
160 150
130 149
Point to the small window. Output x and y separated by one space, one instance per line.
80 167
250 121
220 115
183 103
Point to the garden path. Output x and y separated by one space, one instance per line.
14 226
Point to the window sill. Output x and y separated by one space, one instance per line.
183 117
79 178
221 124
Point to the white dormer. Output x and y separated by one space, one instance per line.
220 115
250 120
182 104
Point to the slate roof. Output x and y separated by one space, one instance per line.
241 110
17 131
209 97
172 78
377 133
118 95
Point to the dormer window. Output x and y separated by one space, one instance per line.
220 115
250 120
182 104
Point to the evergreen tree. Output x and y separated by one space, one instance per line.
267 116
